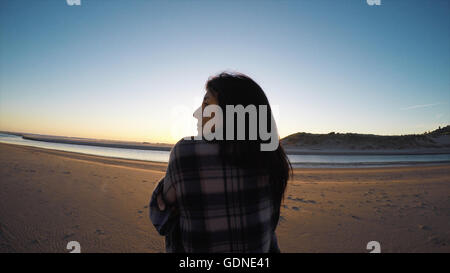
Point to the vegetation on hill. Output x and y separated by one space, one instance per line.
439 138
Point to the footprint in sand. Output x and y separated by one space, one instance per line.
68 235
424 227
303 200
438 241
307 201
100 232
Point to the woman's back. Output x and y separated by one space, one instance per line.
224 191
223 208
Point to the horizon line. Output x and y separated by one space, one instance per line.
170 143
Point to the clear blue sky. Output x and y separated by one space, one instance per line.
122 69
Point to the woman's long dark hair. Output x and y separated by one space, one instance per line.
239 89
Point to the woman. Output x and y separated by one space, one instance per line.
223 195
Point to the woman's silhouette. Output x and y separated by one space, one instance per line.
223 195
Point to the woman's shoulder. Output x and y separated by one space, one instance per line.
186 143
189 146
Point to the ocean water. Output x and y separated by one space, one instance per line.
148 155
305 161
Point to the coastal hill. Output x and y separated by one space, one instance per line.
437 141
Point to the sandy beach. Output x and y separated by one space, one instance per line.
49 198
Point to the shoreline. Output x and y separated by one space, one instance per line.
137 163
290 150
117 161
100 143
296 151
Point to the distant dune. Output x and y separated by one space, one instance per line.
99 142
435 142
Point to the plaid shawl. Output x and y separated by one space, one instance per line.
219 207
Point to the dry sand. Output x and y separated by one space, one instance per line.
48 198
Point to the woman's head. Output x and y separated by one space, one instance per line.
208 99
245 113
228 91
236 89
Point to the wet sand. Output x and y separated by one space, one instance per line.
49 198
